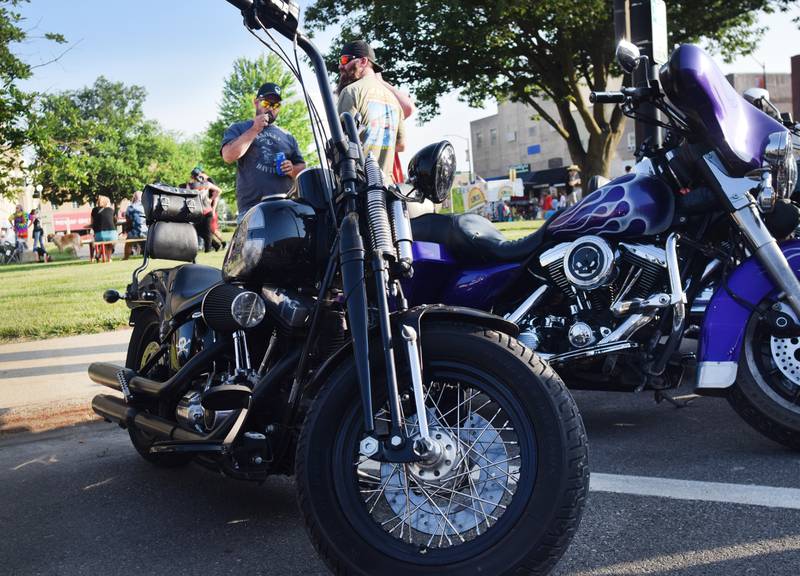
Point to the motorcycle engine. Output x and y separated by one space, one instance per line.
191 415
592 274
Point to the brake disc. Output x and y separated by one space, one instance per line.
466 493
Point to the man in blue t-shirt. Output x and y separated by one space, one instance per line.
254 144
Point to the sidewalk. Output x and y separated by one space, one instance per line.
44 384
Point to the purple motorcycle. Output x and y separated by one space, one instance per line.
682 267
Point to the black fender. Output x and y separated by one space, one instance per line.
415 317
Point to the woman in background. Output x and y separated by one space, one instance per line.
103 223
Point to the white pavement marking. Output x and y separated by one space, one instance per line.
752 495
695 558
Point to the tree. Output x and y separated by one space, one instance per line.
237 104
96 140
14 103
528 51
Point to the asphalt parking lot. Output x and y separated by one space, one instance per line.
686 491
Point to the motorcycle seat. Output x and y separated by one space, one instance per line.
472 239
188 284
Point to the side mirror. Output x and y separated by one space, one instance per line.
628 56
432 171
753 95
759 97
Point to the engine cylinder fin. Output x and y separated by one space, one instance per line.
652 275
556 272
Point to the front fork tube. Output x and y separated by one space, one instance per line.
768 253
351 258
381 284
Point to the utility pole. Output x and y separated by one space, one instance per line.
469 152
644 22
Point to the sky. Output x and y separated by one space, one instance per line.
182 50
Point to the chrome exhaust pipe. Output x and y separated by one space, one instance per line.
115 409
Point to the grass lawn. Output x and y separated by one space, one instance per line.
64 298
519 229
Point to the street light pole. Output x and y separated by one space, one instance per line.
469 152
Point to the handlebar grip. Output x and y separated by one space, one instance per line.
241 4
606 97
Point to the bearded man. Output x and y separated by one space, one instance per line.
362 91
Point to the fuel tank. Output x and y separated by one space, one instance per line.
631 206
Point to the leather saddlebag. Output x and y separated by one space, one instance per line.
172 241
164 203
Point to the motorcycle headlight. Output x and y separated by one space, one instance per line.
779 158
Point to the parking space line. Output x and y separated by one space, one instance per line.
753 495
696 558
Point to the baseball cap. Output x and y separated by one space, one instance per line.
360 49
269 89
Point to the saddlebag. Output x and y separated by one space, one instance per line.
172 241
164 203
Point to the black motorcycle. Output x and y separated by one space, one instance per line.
424 440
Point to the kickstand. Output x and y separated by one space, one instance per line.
660 396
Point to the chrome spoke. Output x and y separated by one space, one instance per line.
474 480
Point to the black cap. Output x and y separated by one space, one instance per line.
269 89
360 49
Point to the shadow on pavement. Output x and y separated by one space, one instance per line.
7 429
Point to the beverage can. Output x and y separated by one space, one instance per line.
279 158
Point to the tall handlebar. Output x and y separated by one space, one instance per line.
249 9
241 4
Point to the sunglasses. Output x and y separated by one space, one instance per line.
268 104
345 59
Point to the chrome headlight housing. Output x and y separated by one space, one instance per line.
778 158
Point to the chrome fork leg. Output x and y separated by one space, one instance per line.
768 253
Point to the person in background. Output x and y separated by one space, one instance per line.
209 193
255 145
408 108
19 223
215 233
362 92
103 224
134 216
38 237
562 201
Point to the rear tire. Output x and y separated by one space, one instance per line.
527 534
763 395
143 343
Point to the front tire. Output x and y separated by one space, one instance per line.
518 480
767 391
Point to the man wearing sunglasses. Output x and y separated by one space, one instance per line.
362 91
254 145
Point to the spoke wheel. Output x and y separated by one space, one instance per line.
480 502
464 487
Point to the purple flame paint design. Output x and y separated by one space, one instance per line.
629 206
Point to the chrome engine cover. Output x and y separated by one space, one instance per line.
589 263
191 415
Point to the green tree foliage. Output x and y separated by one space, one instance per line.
237 105
14 103
528 51
96 140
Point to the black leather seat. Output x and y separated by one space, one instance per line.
473 239
188 284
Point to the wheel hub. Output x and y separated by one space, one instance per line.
441 461
473 467
786 355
